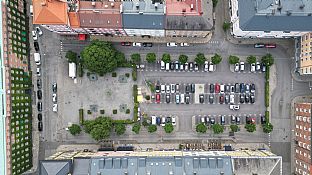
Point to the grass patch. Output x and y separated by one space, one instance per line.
134 73
81 116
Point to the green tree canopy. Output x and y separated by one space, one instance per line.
267 128
88 125
251 59
136 128
267 59
214 3
99 57
71 57
152 128
183 59
168 127
120 57
136 58
201 128
166 58
145 123
216 59
151 57
226 26
233 59
100 128
200 59
250 127
120 128
217 128
234 128
74 129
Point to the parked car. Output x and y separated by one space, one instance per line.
234 107
222 120
177 99
242 88
54 87
126 43
136 44
34 35
227 88
196 66
270 45
163 121
247 88
162 65
263 67
182 97
201 98
167 98
158 121
193 88
172 45
211 67
54 98
259 45
40 117
252 98
177 65
191 66
186 66
184 44
232 99
247 98
227 99
253 88
237 120
252 67
167 66
54 108
187 99
233 119
211 88
157 98
237 88
232 89
236 67
212 121
221 99
163 88
173 121
211 98
39 94
258 66
250 120
39 106
202 120
263 121
242 66
147 44
241 98
38 71
217 88
181 67
40 126
168 120
157 88
39 31
172 66
36 45
177 88
206 66
222 88
39 83
187 89
168 89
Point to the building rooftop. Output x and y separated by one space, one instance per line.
146 7
187 7
50 12
146 21
275 15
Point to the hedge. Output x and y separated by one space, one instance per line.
267 73
267 116
135 111
81 116
135 93
267 94
134 73
127 121
80 70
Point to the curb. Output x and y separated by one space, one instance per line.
297 77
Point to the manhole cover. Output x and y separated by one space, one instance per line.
93 77
122 79
123 107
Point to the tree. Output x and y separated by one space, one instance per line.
201 128
136 128
152 128
74 129
145 123
88 125
71 57
214 3
234 128
251 59
233 59
250 127
168 127
99 132
166 58
267 59
183 59
136 58
216 59
120 128
120 57
151 57
267 127
217 128
99 57
226 26
100 128
200 59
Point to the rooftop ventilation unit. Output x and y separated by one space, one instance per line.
302 6
192 6
112 4
309 14
156 5
93 3
141 13
137 5
279 8
288 12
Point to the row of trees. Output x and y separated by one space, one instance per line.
218 129
266 59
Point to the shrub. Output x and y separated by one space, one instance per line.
166 58
102 111
145 123
88 74
120 128
152 128
81 116
214 3
233 59
251 59
135 111
71 57
135 93
115 111
168 128
267 59
183 59
127 75
136 128
136 58
89 112
134 73
250 127
267 127
151 57
127 121
226 26
114 74
217 128
80 70
200 59
216 59
267 94
267 116
267 73
234 128
147 97
201 128
74 129
128 111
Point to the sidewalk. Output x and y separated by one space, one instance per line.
303 78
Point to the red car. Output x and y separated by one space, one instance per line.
157 98
217 88
126 43
221 99
270 45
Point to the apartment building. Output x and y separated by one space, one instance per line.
303 163
306 54
270 18
16 108
162 162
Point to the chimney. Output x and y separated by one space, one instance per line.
93 3
192 6
112 4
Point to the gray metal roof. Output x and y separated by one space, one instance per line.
55 167
275 15
143 21
187 23
80 165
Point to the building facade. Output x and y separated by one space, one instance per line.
270 19
305 63
303 164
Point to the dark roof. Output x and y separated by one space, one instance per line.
143 21
91 20
55 167
187 23
80 165
280 15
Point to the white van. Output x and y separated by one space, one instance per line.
153 120
162 65
210 67
31 10
182 98
37 58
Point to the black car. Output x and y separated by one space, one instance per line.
40 117
54 87
157 88
221 99
211 88
168 98
187 88
187 99
252 88
39 106
191 66
252 98
212 120
247 98
40 126
39 94
227 99
237 88
242 98
36 45
39 83
193 88
172 66
222 120
168 119
201 98
262 119
242 88
211 98
147 44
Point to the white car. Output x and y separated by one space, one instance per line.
172 45
153 120
232 99
173 120
236 67
39 31
258 66
162 65
184 45
54 108
136 44
34 35
163 121
172 89
242 66
206 66
167 89
54 98
252 67
162 88
38 71
234 107
211 67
